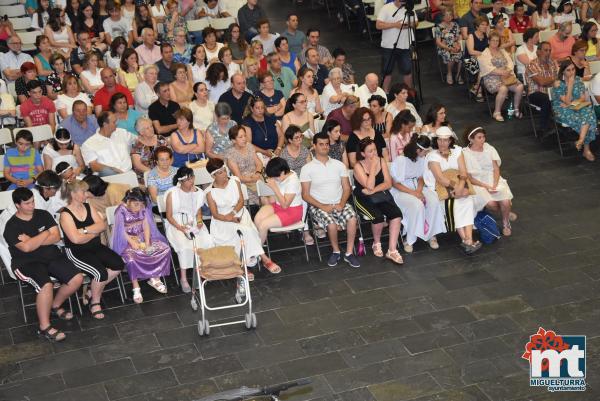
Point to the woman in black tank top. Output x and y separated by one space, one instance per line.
82 226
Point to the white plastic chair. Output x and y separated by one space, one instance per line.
518 37
6 199
20 23
319 125
28 39
197 24
545 35
5 137
128 178
221 24
263 190
17 10
575 30
40 133
595 67
202 177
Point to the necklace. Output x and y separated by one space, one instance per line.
263 129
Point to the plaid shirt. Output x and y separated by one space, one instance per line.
544 70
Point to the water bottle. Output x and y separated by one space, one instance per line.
511 111
361 247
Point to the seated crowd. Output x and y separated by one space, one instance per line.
554 73
279 111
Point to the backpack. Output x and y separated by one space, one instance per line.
487 227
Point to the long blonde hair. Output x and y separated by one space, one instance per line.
74 186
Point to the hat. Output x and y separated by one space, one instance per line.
444 132
27 66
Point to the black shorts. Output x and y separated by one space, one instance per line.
37 274
374 212
390 57
94 261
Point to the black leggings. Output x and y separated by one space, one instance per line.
94 261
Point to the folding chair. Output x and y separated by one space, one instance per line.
518 37
28 38
5 137
197 24
595 67
575 30
545 35
263 190
128 178
20 23
40 133
562 131
202 177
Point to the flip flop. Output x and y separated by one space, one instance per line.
272 267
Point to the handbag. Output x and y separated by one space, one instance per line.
219 263
472 65
452 175
381 197
510 80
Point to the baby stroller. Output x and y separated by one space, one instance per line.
221 263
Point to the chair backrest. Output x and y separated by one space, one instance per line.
221 24
129 178
245 192
351 177
29 37
7 260
595 66
518 37
110 215
576 30
20 23
197 24
262 189
5 136
545 35
319 123
40 133
1 166
202 177
5 199
161 202
16 10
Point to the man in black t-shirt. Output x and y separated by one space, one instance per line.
161 111
31 235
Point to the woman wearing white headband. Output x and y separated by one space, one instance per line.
422 216
459 208
184 216
483 167
62 149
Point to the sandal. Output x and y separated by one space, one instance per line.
506 230
518 114
394 256
272 267
96 314
157 285
433 243
589 156
137 296
377 251
498 116
308 239
449 79
56 336
61 313
471 248
512 216
579 145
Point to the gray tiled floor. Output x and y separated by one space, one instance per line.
443 327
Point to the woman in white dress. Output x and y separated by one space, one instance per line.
62 149
335 92
399 94
72 92
202 109
459 206
184 216
90 76
483 166
198 64
226 202
422 216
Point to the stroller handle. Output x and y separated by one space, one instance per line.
243 392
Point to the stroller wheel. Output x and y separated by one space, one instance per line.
250 320
194 304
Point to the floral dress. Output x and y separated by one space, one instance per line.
449 35
493 82
574 118
146 153
246 165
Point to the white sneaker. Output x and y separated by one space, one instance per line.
408 248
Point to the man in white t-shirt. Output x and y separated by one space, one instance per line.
326 188
393 20
107 151
368 89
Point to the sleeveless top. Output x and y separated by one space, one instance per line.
380 127
290 64
379 178
479 45
94 243
264 134
179 159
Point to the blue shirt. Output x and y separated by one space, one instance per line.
129 124
78 133
295 40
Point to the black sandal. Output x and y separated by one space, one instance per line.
98 312
52 337
61 313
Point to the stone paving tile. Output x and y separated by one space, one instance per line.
361 394
87 338
98 373
431 340
250 378
95 392
358 377
364 300
330 342
444 318
375 281
499 307
141 383
320 291
389 329
230 344
474 351
487 328
165 357
374 352
20 352
57 363
313 365
31 387
270 355
203 369
470 393
184 392
125 348
405 388
134 328
469 279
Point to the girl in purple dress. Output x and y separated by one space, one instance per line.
143 248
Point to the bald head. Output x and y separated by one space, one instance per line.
107 75
372 81
238 83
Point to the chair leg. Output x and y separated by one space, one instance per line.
1 275
305 247
22 300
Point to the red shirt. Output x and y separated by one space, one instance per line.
39 113
519 26
102 97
